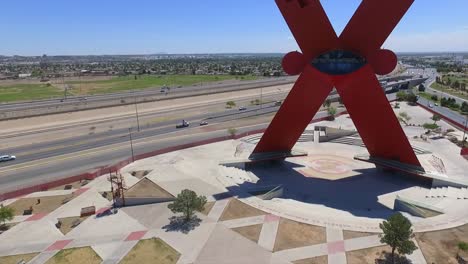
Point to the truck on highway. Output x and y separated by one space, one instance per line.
183 124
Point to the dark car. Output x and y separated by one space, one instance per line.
183 124
203 123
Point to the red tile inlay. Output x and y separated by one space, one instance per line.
59 245
36 217
336 247
271 218
136 235
102 210
80 191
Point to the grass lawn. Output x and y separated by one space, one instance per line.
75 255
25 92
449 90
152 250
127 83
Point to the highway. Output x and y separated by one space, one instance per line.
156 91
53 106
44 161
98 143
432 74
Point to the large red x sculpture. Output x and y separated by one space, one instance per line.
359 89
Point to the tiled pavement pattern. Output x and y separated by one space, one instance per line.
215 241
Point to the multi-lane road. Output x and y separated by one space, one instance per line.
90 146
151 92
51 159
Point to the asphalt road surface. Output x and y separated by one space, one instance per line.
53 159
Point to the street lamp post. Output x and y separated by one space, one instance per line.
131 143
464 130
136 111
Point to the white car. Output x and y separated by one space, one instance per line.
7 158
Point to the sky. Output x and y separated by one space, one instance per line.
85 27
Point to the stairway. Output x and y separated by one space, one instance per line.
307 136
448 192
237 175
357 141
351 140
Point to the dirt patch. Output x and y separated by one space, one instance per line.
17 258
316 260
152 250
250 232
368 255
375 255
147 188
292 234
208 207
237 209
67 224
353 234
140 174
48 204
441 246
75 255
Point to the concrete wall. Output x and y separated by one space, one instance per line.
132 201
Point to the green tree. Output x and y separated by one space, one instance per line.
401 96
6 214
327 103
331 112
430 126
230 104
464 108
462 246
436 118
404 117
411 98
397 233
187 202
421 88
232 131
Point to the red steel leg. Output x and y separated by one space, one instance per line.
310 26
371 25
302 103
373 116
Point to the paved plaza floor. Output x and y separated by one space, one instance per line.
329 205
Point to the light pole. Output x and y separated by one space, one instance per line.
131 143
136 111
464 129
261 99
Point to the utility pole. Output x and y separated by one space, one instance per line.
464 130
261 99
131 143
136 111
64 86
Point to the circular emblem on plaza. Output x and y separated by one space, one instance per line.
329 166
